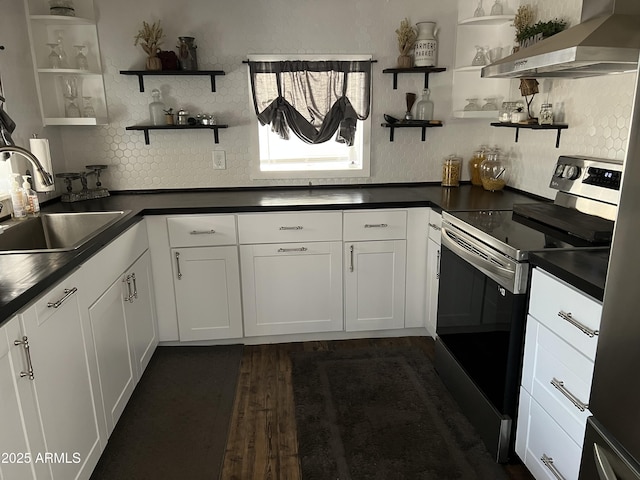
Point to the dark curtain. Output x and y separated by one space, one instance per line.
314 99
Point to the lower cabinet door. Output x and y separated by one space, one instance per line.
433 284
207 287
292 288
62 388
375 285
140 312
111 342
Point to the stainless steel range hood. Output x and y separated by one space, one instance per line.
607 40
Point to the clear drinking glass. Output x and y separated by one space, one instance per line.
472 105
81 58
479 12
62 54
496 9
87 109
480 57
53 59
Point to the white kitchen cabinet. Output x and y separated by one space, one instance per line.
375 269
44 28
67 415
417 274
433 272
18 444
207 292
206 276
560 342
292 288
492 31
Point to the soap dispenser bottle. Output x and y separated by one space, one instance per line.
31 204
17 198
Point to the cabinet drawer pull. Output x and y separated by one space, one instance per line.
438 264
178 266
301 249
202 232
583 328
67 294
434 226
375 225
25 344
351 258
548 462
135 287
127 280
296 227
570 396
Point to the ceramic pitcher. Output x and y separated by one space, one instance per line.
426 46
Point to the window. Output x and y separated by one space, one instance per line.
330 111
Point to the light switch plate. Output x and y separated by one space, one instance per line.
219 160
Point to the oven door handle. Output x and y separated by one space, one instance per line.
479 257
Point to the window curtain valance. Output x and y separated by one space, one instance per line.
314 99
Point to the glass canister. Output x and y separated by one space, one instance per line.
492 172
546 114
474 166
62 7
451 167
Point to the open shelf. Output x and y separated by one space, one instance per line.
425 70
146 128
533 126
422 124
487 20
475 113
148 73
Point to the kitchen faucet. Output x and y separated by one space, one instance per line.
47 178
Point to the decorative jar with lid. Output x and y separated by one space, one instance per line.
474 166
546 114
451 171
492 172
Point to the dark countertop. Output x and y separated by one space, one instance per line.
584 269
25 276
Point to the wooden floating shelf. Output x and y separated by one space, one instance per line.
410 124
425 70
151 73
533 126
146 128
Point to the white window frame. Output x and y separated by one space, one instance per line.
363 132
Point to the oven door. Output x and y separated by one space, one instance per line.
480 328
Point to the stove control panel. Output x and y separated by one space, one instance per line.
593 178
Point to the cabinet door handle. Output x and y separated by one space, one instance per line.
570 396
178 265
301 249
605 470
583 328
67 294
202 232
135 287
296 227
375 225
438 265
351 258
127 280
25 344
434 226
548 462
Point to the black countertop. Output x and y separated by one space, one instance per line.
584 269
25 276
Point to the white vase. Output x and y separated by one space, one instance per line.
426 46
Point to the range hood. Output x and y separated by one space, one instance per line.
607 40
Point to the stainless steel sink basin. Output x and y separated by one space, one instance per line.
54 232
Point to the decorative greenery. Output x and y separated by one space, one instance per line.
150 38
407 35
523 19
547 29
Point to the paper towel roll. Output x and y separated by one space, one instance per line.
40 148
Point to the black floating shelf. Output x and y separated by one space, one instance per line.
423 124
533 126
425 70
153 73
146 128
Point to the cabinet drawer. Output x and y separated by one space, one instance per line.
538 436
290 227
375 225
435 224
548 359
572 315
202 230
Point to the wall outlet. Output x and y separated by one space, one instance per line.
219 160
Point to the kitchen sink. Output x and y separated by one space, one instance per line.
54 232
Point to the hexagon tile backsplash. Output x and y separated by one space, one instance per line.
598 110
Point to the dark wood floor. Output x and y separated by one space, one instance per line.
262 442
